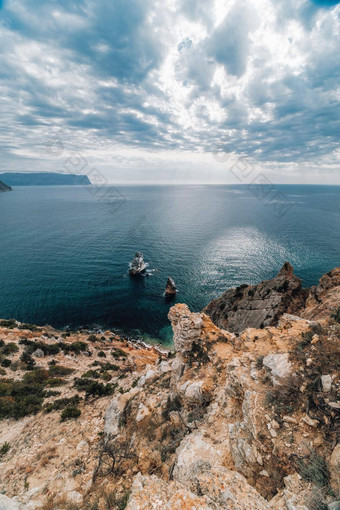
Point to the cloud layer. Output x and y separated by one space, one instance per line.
128 83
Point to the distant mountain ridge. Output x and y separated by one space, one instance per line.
4 187
44 179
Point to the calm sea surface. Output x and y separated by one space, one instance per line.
64 251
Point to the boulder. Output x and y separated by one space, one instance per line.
39 353
138 265
279 366
170 289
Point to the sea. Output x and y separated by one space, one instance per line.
65 250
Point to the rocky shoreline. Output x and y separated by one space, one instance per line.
245 413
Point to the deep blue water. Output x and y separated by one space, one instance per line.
65 251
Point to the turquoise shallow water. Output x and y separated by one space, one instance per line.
65 251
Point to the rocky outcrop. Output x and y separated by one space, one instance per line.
224 422
170 289
187 327
138 265
10 504
323 298
4 187
258 306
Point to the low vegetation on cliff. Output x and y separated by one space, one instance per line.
229 420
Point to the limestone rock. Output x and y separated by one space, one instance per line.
323 297
10 504
279 365
151 493
326 381
258 306
115 411
147 378
334 506
193 452
196 392
187 327
143 412
39 353
335 469
199 464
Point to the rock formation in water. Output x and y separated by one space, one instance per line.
138 265
260 305
4 187
225 422
170 289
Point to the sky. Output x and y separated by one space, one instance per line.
172 91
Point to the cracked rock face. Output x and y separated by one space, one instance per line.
258 306
187 327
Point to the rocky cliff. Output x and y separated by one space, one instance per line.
262 305
226 421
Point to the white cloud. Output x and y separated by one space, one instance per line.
173 81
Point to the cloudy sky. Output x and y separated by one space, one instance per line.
172 90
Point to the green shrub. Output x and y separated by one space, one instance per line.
60 371
5 448
10 348
69 413
336 315
6 363
62 403
76 347
101 354
28 360
94 388
30 327
314 469
307 337
259 362
284 396
55 382
172 404
118 353
11 323
95 374
92 338
19 398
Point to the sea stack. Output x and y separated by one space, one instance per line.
138 265
170 289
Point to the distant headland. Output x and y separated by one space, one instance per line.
44 179
4 187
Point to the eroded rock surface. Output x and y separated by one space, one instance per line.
258 306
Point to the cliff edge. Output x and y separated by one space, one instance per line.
225 422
